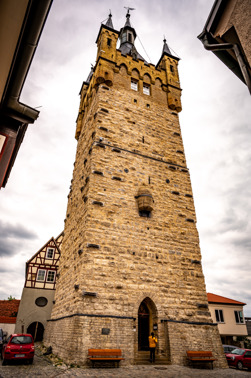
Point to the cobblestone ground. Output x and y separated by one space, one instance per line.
43 367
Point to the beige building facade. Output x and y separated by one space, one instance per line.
228 314
130 258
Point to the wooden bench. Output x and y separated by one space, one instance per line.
106 355
201 357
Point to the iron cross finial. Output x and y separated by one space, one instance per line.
128 9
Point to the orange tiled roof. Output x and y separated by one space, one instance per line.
8 311
8 320
213 298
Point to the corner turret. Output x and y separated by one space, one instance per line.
169 63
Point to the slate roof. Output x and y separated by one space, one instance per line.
128 48
8 311
109 21
166 48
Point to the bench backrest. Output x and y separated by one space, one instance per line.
105 352
192 353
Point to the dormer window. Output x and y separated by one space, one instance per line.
134 85
146 89
50 253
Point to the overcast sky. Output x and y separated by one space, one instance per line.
215 124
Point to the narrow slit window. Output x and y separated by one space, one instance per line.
109 41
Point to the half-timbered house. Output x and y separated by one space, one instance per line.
39 289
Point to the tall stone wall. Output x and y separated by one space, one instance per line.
183 337
112 258
87 332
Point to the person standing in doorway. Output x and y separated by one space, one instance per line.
152 345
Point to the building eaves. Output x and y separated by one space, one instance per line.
228 50
213 298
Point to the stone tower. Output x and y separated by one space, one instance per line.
130 257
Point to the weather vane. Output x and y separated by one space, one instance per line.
129 9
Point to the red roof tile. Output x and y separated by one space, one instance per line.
9 309
213 298
8 320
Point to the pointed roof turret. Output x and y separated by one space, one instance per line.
109 21
107 24
166 52
127 23
166 48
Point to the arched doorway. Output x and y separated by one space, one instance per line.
143 326
36 329
147 316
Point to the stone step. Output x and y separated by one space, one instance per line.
143 358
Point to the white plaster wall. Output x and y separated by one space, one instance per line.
9 328
29 312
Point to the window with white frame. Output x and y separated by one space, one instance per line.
239 317
51 276
40 275
134 85
49 253
219 316
146 89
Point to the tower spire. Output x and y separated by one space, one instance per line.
109 21
127 23
127 38
165 47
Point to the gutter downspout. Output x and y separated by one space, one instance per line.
228 46
19 111
35 18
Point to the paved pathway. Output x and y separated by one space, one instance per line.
43 367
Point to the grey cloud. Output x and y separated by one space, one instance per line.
12 238
231 222
243 243
15 231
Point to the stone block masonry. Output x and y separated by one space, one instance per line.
126 270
